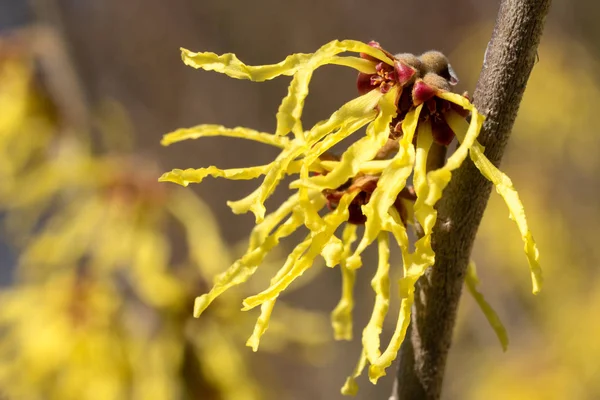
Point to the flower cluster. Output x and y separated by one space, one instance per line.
98 306
407 107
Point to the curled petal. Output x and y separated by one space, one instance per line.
184 177
359 64
230 65
254 202
341 317
392 181
246 266
262 324
360 107
406 290
290 110
364 149
505 188
318 242
378 367
472 281
381 287
200 131
350 387
263 230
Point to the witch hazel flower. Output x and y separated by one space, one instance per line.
406 105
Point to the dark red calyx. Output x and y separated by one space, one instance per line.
442 134
363 83
422 92
404 73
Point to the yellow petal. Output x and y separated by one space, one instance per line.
365 148
266 308
332 253
425 214
378 367
381 287
201 131
505 188
359 64
184 177
360 107
406 290
246 266
318 242
439 178
392 181
230 65
341 317
350 387
261 231
472 282
373 167
254 202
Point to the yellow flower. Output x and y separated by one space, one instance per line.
97 311
406 105
25 118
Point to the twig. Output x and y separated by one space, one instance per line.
509 60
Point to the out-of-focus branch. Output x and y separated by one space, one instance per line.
509 59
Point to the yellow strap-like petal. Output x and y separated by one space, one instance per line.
438 179
365 148
392 181
358 63
374 167
425 214
261 231
505 188
262 324
472 282
230 65
290 111
350 387
360 107
349 126
245 267
333 251
381 287
406 290
254 202
201 131
378 367
318 242
341 317
184 177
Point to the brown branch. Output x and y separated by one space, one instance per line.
508 63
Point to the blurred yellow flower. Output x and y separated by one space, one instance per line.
99 305
407 106
26 125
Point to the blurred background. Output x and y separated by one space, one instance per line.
100 264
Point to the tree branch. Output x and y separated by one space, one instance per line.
509 59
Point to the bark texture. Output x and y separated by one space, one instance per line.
510 57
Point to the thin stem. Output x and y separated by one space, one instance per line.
508 63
